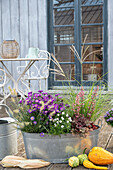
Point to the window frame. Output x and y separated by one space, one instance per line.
77 37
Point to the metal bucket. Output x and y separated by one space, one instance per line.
8 135
56 149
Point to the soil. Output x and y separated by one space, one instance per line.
104 135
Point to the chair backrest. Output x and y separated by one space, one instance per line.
2 77
41 70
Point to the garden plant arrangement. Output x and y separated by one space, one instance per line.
58 127
46 114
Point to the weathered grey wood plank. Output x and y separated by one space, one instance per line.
24 29
33 26
6 28
1 168
1 36
47 168
110 167
42 28
24 33
42 24
60 166
15 32
1 33
33 34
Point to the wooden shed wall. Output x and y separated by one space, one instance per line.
26 22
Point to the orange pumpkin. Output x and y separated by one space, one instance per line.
100 156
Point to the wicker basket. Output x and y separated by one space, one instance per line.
9 49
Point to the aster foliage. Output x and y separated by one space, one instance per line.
42 113
109 117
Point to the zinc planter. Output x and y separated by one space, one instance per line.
8 136
56 149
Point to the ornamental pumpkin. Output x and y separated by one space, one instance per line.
100 156
82 157
90 165
73 161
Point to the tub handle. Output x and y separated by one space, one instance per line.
8 110
100 123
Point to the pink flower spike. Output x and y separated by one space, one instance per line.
97 88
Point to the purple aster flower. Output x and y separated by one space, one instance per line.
42 134
61 104
62 108
54 99
50 96
34 109
56 106
57 111
36 95
32 118
35 122
30 111
111 118
39 107
37 101
112 109
39 95
57 95
29 102
35 105
44 93
40 91
50 117
20 101
107 120
29 94
45 98
60 97
67 105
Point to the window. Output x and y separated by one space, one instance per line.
70 22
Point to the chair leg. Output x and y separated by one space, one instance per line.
40 84
45 84
29 83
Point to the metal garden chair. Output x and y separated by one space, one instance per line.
39 70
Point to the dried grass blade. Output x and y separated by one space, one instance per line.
91 53
57 62
84 43
58 74
75 52
84 52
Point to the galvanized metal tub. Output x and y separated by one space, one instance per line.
56 149
8 137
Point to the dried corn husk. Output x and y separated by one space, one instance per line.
11 161
15 161
33 163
